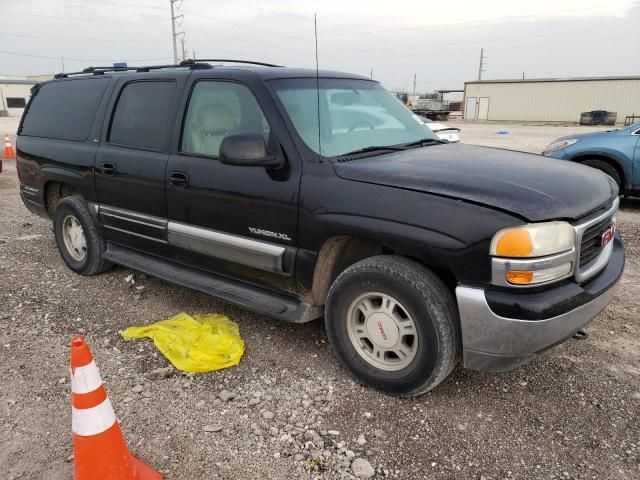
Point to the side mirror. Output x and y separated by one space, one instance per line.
246 149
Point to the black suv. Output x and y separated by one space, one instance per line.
302 194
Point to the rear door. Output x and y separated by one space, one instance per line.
131 162
240 221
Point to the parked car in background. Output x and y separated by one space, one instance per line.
444 132
615 152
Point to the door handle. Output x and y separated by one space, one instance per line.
108 169
179 179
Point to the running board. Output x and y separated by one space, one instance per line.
254 298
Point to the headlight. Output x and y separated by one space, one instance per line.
533 254
555 146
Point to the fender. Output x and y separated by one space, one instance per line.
613 155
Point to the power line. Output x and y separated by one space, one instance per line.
21 54
466 22
58 37
84 19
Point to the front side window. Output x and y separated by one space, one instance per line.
354 114
141 117
218 109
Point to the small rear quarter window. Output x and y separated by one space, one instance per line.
64 109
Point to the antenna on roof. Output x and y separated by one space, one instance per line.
315 29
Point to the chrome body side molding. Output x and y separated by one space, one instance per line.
260 255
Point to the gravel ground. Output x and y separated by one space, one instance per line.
573 413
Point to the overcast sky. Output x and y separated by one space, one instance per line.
438 41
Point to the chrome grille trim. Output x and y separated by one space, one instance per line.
585 272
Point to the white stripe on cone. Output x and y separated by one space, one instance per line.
85 379
92 421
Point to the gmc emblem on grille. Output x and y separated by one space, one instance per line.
608 235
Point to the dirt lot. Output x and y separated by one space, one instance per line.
574 413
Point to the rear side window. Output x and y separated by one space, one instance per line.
141 117
64 110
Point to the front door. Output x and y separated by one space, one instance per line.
239 221
131 162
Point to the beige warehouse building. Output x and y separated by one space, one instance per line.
15 93
551 100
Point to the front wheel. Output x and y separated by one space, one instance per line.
394 324
77 237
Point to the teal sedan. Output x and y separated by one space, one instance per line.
615 152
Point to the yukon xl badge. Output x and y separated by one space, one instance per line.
267 233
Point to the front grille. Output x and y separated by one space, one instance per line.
591 244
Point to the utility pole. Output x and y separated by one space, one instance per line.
414 84
523 75
371 76
174 34
62 60
482 64
184 53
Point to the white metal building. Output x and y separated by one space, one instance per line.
550 99
15 93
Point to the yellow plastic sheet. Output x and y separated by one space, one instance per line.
201 343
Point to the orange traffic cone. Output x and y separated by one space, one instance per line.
8 148
99 449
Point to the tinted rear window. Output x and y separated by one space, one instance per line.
64 110
141 118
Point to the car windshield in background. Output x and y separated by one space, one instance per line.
354 115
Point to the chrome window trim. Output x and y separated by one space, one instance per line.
637 132
597 264
500 266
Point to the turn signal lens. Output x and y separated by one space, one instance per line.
535 277
520 278
533 240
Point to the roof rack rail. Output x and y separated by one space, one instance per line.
228 60
192 64
143 68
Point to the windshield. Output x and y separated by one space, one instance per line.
354 114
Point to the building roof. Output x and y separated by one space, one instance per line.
568 79
13 81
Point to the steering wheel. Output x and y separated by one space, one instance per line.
361 123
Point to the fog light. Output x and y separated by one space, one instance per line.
525 277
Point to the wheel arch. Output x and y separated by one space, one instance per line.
56 190
610 160
339 252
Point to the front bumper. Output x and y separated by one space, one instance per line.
496 343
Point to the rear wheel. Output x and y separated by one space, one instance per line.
608 169
77 237
393 323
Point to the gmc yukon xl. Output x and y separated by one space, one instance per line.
302 194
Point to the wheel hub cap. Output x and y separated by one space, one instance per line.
382 331
74 238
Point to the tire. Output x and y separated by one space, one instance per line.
608 169
421 298
84 257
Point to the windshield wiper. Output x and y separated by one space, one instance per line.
374 148
423 142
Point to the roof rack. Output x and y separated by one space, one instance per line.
192 64
227 60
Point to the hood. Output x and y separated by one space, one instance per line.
601 133
530 186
